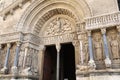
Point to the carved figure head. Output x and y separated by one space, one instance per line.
97 37
113 36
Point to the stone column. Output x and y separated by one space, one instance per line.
118 28
26 68
26 51
15 65
4 70
106 50
41 60
81 53
77 52
0 56
91 61
58 47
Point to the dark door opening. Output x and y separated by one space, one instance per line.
67 62
49 68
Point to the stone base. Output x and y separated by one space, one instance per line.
4 70
105 77
116 64
99 75
13 79
100 65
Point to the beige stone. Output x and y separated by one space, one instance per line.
38 24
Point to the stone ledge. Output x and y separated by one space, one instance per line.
11 37
103 21
97 71
19 76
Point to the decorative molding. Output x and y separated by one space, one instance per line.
4 9
102 21
31 38
11 37
39 6
55 39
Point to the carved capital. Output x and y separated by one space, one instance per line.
75 43
8 45
58 47
18 43
118 28
103 30
27 45
42 47
89 33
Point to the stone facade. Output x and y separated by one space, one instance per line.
28 26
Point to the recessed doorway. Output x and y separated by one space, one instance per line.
67 62
50 59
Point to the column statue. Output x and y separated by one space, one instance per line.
114 46
27 62
86 50
29 58
98 49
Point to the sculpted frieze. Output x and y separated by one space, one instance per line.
54 39
58 26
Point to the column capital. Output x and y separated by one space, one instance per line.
89 33
103 30
42 47
118 28
8 45
18 43
58 47
76 42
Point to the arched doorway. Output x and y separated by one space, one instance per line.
60 29
67 62
44 14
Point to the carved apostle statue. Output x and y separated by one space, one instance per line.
98 47
114 46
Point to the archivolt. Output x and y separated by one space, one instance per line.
40 11
50 14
